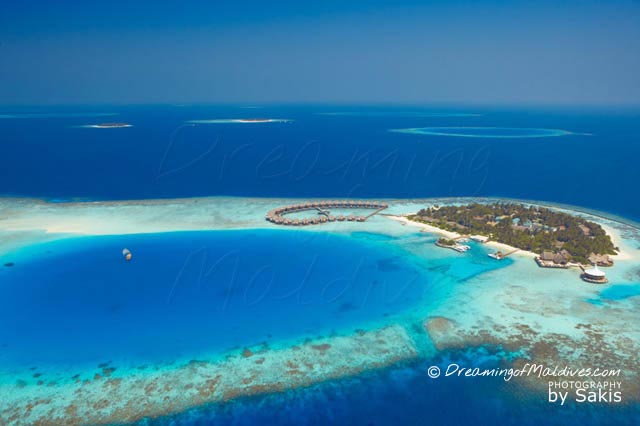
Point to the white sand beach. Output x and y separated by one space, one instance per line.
505 248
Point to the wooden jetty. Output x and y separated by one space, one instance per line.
500 255
278 215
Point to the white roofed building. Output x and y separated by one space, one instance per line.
595 275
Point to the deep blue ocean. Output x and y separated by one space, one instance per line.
323 151
404 395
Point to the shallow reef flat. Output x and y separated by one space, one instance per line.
28 221
528 313
110 398
486 132
556 321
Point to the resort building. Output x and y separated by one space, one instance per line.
550 259
585 229
594 275
479 238
601 260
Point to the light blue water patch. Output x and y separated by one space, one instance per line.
447 269
78 301
486 132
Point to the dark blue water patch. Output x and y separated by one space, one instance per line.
405 395
596 302
79 301
400 113
389 264
44 115
322 156
620 292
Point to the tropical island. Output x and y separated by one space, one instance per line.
558 237
111 125
255 120
240 121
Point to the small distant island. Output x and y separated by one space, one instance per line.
260 120
559 238
255 120
110 125
250 120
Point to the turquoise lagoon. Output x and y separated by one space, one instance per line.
77 303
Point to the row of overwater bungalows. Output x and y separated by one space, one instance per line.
277 215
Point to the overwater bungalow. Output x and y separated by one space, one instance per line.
601 260
277 215
594 275
550 259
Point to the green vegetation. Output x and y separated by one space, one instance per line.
532 228
446 242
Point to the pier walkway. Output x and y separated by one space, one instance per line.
278 216
510 252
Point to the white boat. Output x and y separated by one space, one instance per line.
480 238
